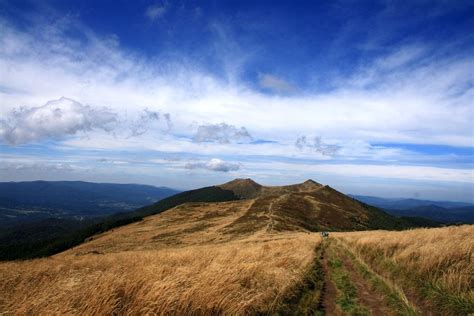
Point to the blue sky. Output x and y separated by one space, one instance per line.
373 97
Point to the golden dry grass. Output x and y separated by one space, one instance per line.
169 264
442 255
187 261
185 225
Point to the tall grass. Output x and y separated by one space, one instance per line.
440 258
241 277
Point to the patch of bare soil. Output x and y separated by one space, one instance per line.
367 297
328 293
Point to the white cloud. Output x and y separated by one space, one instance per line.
66 117
214 164
401 106
427 102
55 119
221 133
411 173
148 119
317 145
401 57
155 11
34 166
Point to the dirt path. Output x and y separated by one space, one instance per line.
349 290
368 297
328 292
269 227
338 286
411 294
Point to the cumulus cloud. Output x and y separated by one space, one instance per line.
55 119
214 164
147 119
64 116
274 83
316 144
155 11
221 133
376 105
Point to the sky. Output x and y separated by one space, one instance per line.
370 97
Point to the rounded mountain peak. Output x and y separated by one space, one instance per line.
310 184
243 188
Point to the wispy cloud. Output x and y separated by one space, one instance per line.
406 95
155 11
401 57
374 105
35 166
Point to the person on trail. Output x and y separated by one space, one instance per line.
324 234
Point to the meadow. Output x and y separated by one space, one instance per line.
191 260
179 262
432 267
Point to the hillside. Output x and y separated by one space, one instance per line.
181 261
41 218
51 236
308 206
246 249
239 209
431 267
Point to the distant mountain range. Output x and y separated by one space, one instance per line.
441 211
26 202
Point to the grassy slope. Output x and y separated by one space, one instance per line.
432 266
57 239
236 257
307 206
186 261
180 261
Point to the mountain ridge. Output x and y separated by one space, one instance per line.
303 207
241 209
